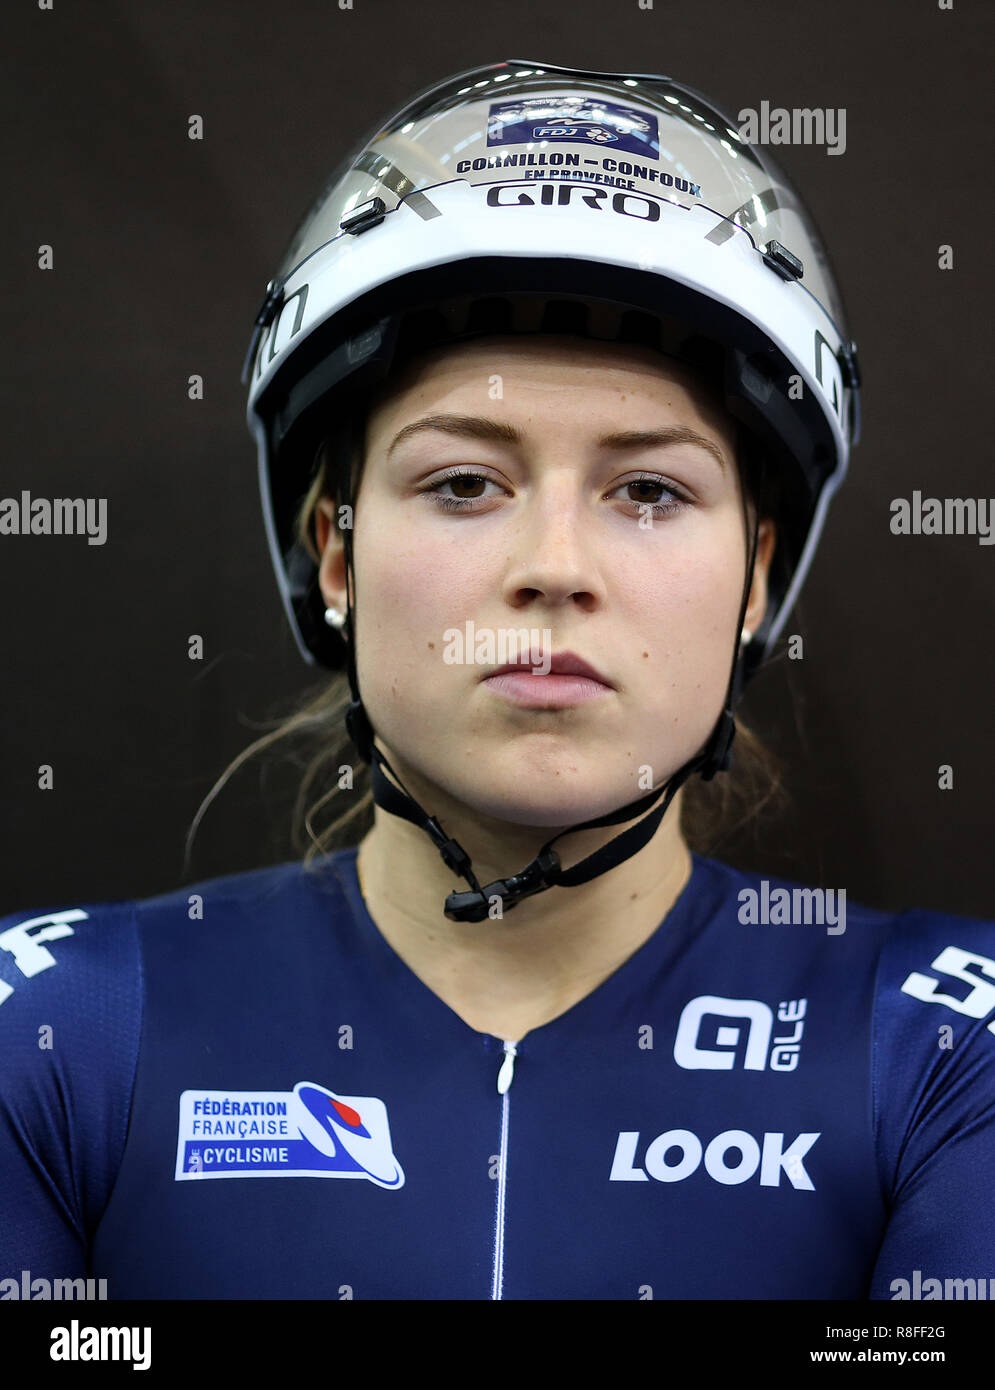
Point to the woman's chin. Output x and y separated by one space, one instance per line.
538 789
543 812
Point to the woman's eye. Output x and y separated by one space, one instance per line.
645 494
462 481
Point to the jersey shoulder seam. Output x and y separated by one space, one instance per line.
139 1031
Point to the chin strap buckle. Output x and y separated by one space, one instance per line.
475 907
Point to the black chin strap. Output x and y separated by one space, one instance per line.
545 870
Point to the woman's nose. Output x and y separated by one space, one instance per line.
554 556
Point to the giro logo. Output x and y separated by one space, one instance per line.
640 205
703 1043
676 1154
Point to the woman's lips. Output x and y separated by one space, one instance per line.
545 692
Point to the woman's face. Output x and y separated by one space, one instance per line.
556 534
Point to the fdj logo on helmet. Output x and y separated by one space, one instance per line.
573 132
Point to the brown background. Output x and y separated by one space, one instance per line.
162 249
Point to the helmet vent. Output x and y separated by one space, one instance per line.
564 316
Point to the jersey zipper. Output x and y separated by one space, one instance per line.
504 1079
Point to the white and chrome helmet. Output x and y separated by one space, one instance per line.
524 197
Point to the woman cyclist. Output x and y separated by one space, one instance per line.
551 393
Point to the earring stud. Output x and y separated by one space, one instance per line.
334 617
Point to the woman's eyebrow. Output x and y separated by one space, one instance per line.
467 426
498 431
670 434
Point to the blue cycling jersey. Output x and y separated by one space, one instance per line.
240 1090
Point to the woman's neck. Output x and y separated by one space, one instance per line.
508 975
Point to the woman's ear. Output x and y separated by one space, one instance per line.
757 606
331 548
